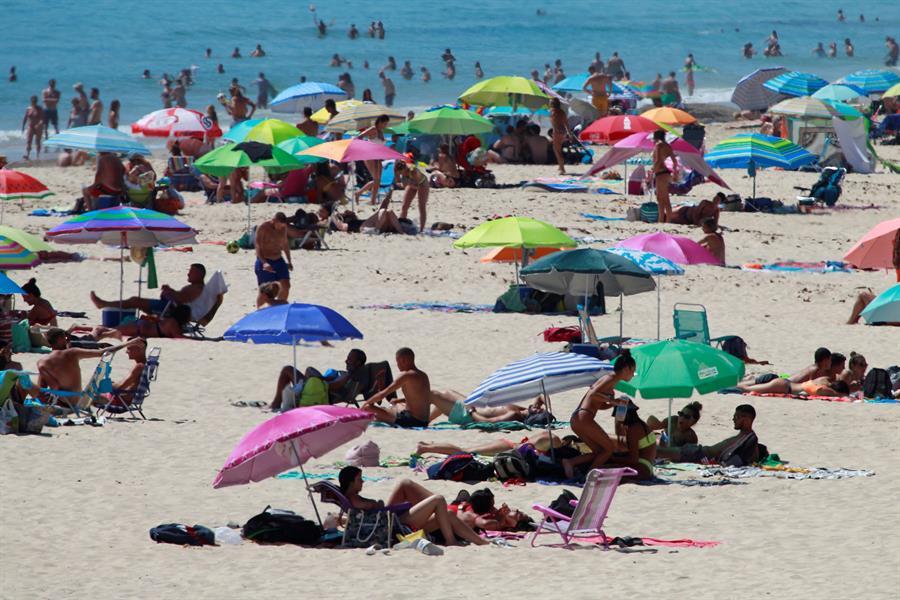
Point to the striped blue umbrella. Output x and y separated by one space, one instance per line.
97 138
543 373
750 94
518 111
310 93
795 83
872 81
752 150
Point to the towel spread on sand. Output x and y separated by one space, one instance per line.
794 266
849 399
636 541
445 307
601 217
581 185
784 472
311 476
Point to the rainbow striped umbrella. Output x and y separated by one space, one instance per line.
15 256
124 226
795 83
752 150
872 81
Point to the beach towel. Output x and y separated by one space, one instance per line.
806 397
601 217
445 307
645 541
793 266
329 475
56 211
784 472
581 185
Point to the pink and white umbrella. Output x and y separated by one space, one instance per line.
678 249
176 122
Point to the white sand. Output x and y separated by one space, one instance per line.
77 503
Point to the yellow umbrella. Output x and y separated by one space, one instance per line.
893 92
321 116
669 116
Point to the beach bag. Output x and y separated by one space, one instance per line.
541 418
649 212
9 418
460 467
894 373
877 384
367 527
315 392
32 418
511 465
563 334
282 526
184 535
366 454
563 503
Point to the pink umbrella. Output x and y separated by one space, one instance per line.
644 141
676 248
176 122
875 250
289 440
351 150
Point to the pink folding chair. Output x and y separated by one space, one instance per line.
590 510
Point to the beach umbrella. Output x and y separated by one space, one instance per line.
289 440
669 116
885 308
15 185
7 285
501 254
322 116
677 368
839 92
843 110
125 227
655 265
804 107
515 232
893 92
448 120
29 241
614 128
360 116
351 150
13 256
795 83
176 122
875 250
575 83
872 81
752 150
97 138
750 94
505 91
676 248
294 146
265 131
225 159
312 94
515 111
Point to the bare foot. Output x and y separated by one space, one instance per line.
423 448
96 300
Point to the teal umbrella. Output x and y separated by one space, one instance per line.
449 120
678 368
295 145
885 308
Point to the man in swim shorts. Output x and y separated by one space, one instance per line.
271 242
739 450
414 409
195 276
599 85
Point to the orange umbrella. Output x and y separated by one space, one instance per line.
669 116
515 254
875 250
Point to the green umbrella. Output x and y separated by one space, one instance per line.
295 145
676 368
29 241
401 129
266 131
449 120
505 91
515 232
225 159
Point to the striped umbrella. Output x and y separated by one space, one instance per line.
805 107
361 116
29 241
751 94
97 138
872 81
505 91
176 122
655 265
15 256
309 93
893 92
795 83
15 185
752 150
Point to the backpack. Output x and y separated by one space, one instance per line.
540 419
877 384
277 526
509 464
461 467
563 503
185 535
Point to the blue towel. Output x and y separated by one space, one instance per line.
601 217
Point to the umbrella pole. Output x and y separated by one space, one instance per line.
122 269
353 186
658 280
669 424
621 316
626 178
549 424
248 216
294 372
306 483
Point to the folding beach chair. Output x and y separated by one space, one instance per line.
78 402
204 308
691 325
590 511
332 494
121 401
379 377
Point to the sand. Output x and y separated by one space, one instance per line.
77 502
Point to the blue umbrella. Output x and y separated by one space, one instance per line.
872 81
653 264
885 308
575 83
97 138
8 286
239 131
751 94
310 93
795 83
752 150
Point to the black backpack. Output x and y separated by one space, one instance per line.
461 467
282 527
509 464
563 503
185 535
877 384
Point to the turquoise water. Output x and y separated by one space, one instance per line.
108 44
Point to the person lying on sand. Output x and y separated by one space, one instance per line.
169 326
739 450
196 276
855 373
452 405
356 373
60 370
414 409
428 512
479 511
821 367
821 386
541 440
681 425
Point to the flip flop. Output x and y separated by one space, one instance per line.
249 403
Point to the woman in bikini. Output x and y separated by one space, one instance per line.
414 182
820 386
170 326
598 397
681 425
638 444
375 133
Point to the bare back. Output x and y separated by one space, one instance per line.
661 152
416 389
60 370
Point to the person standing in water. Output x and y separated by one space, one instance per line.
51 101
34 122
689 65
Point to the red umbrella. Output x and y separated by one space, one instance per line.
612 129
15 185
176 122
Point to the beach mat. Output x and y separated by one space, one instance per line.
444 307
793 266
578 185
847 399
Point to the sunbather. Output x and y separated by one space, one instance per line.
429 511
855 373
681 425
598 397
385 220
739 450
452 404
821 386
821 367
42 312
414 409
170 325
356 372
6 361
268 293
712 240
60 370
541 441
479 511
196 276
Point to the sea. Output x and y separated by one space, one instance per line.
107 44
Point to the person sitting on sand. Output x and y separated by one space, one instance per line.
356 373
414 409
196 276
712 239
739 450
170 325
60 370
479 511
636 442
41 312
507 147
446 173
428 512
681 425
6 361
109 180
598 397
820 386
269 293
452 405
